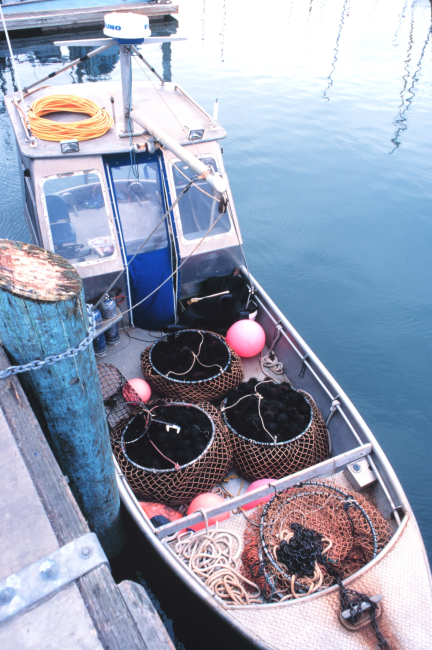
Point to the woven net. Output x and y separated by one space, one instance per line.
355 528
174 486
111 380
205 390
116 391
255 460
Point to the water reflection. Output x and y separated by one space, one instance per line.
336 52
98 68
165 27
401 119
41 52
401 17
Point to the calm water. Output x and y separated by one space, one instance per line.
328 108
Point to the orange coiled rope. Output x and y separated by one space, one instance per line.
98 124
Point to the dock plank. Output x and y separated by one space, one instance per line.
60 622
51 486
79 17
138 601
18 496
101 599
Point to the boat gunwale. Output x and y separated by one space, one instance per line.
217 605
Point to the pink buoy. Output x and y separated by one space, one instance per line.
136 387
206 501
254 486
246 337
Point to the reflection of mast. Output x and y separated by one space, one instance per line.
336 52
3 84
401 17
165 28
222 31
203 23
401 120
12 72
166 62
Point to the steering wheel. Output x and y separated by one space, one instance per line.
137 190
71 250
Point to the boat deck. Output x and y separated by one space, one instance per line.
399 573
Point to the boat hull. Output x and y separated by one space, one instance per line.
400 572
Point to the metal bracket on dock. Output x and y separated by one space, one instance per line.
37 581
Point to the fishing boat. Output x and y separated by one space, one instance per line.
137 198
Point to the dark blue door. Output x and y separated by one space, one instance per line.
139 206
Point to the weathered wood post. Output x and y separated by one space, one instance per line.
43 313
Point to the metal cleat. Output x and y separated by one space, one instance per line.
365 618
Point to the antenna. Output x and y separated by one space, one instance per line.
31 138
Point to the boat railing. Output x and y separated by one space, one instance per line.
333 397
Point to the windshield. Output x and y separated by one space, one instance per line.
198 209
78 217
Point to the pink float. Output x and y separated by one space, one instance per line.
246 337
135 387
206 501
254 486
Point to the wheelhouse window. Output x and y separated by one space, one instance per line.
139 202
198 211
78 218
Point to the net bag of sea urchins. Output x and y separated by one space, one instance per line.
193 365
274 429
172 451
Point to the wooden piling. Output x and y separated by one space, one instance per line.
42 313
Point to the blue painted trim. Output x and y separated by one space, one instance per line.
173 223
160 309
128 41
120 238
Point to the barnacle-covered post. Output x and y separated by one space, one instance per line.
43 313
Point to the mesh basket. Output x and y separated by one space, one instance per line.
177 485
115 388
111 380
204 390
255 460
354 526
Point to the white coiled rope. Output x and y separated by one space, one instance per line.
213 555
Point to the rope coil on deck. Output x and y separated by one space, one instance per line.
213 555
96 126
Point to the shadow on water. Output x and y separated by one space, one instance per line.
188 620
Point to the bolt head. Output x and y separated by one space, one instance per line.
356 467
6 595
86 552
48 570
